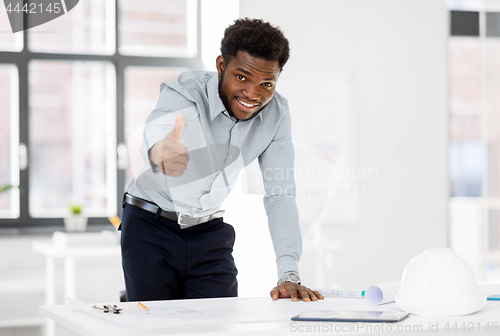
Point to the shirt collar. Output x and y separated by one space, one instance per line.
216 104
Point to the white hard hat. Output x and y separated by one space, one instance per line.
439 282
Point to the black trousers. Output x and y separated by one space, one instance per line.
161 261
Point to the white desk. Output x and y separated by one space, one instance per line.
74 322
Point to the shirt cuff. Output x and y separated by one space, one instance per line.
154 167
287 265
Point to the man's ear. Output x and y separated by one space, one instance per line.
220 64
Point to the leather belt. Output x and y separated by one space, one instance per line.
183 220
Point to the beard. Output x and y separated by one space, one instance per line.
225 99
223 96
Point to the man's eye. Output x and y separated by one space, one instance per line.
268 84
240 77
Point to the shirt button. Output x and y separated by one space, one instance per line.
230 157
203 197
217 180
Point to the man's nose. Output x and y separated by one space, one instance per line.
251 92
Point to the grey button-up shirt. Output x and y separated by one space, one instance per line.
219 147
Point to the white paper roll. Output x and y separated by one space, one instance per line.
382 293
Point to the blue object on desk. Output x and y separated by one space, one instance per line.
494 297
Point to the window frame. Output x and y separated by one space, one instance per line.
26 224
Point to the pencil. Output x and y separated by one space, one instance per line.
115 220
142 306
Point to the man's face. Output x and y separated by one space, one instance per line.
246 83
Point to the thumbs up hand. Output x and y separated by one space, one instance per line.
169 153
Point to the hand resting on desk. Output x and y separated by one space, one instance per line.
294 291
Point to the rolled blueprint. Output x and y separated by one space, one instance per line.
382 293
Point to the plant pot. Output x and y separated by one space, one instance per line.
75 224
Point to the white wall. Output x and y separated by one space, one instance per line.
214 21
396 51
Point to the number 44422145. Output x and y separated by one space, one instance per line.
33 8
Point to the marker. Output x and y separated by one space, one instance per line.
340 293
142 306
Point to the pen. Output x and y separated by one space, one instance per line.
142 306
340 293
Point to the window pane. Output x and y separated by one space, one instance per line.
466 149
9 140
8 40
158 27
492 88
142 88
72 138
87 28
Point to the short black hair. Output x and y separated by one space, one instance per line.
258 38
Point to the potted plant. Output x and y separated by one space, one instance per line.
5 188
76 222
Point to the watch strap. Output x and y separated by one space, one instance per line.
289 277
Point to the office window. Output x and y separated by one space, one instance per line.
88 28
474 152
9 137
158 28
71 90
72 138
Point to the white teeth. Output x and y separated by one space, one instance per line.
245 104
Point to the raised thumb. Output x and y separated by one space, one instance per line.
179 125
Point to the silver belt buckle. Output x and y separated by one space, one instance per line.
199 220
191 221
179 219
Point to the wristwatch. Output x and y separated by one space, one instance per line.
289 277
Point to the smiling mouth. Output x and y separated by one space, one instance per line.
246 104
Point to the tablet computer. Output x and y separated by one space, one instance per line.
351 316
